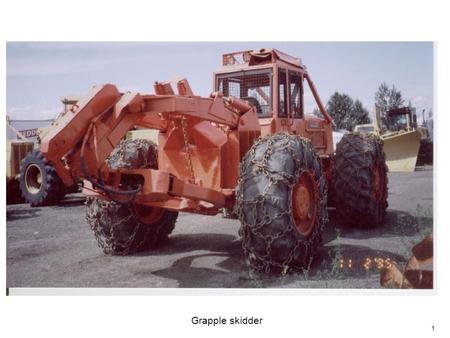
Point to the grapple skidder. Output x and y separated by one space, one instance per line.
249 147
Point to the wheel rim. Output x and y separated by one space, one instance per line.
33 178
148 215
304 203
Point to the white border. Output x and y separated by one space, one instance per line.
350 316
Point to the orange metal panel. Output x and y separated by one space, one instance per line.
195 192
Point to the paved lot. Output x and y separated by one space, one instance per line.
54 247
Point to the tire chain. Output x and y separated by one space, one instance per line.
308 246
130 154
108 240
134 154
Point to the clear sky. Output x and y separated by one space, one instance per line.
40 73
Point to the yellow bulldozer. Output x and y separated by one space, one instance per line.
16 150
401 142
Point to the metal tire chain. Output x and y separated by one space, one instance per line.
300 253
355 155
103 216
106 225
227 213
118 158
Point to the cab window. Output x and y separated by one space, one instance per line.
282 93
296 92
251 86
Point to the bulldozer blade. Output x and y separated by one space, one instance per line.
401 150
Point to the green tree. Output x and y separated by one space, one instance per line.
388 98
382 98
345 112
339 107
360 114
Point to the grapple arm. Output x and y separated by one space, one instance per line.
82 139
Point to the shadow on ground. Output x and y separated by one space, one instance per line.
224 253
20 214
184 243
222 263
71 201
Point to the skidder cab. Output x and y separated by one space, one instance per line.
273 82
249 147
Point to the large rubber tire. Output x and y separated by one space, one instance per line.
360 180
269 174
40 185
120 229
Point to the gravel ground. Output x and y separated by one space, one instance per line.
54 247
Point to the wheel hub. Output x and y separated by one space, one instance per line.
33 179
304 203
